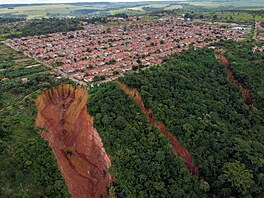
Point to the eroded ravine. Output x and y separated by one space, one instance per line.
178 148
245 92
75 142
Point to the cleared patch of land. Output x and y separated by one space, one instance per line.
173 6
128 11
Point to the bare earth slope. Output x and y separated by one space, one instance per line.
75 142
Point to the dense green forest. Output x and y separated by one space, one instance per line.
192 96
27 165
50 25
10 20
143 164
43 26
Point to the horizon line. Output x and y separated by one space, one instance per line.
87 1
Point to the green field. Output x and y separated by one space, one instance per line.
236 16
173 6
38 11
44 10
231 4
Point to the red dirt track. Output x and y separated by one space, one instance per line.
74 141
178 148
245 92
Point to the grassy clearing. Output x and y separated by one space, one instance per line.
208 4
128 11
44 10
138 8
172 7
158 5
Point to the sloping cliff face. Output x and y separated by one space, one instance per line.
178 148
75 142
245 92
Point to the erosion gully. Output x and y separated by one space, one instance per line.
75 143
245 92
178 148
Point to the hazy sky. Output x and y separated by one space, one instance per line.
60 1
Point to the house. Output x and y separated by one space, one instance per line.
24 80
88 78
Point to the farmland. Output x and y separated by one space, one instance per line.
40 11
130 8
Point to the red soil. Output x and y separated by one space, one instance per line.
178 148
74 141
245 92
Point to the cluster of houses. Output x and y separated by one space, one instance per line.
109 50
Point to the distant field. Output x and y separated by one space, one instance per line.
43 11
237 16
129 11
158 5
131 8
172 7
139 9
39 11
208 4
257 4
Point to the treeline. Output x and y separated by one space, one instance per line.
44 26
10 20
50 25
83 12
143 164
192 96
20 72
13 16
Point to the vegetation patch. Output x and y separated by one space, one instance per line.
28 167
192 96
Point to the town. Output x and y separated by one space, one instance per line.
103 52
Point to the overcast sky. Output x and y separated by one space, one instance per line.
60 1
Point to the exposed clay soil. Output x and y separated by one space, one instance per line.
178 148
75 142
245 92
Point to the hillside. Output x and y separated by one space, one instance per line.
193 97
191 127
27 165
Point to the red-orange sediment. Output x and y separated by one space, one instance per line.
178 148
74 141
245 92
